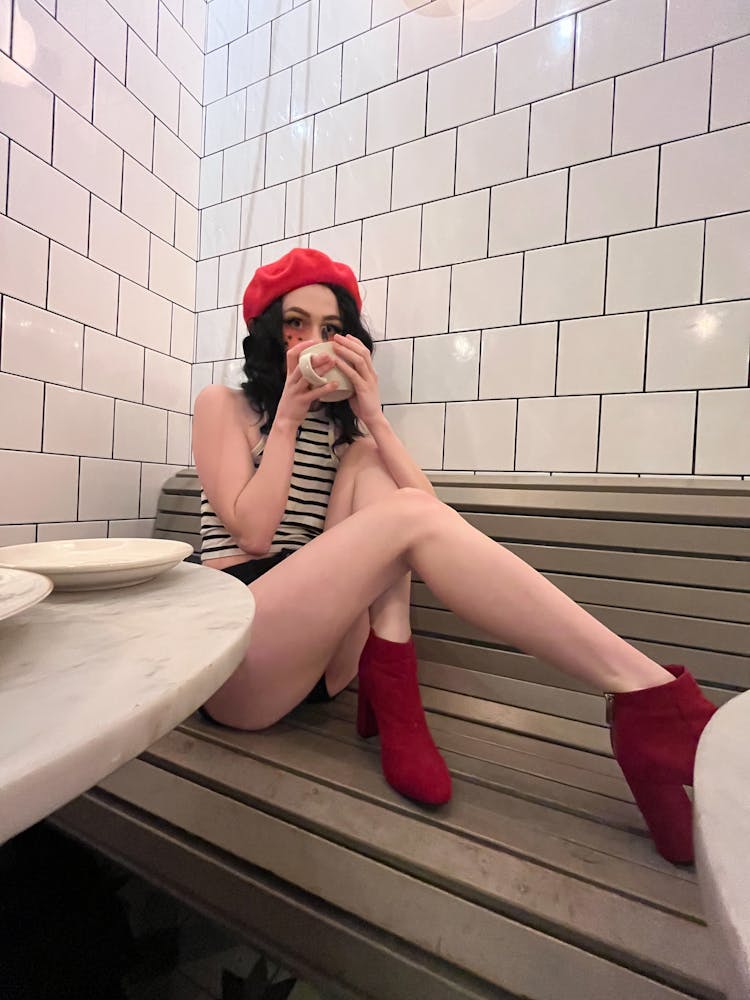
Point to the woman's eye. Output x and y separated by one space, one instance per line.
292 320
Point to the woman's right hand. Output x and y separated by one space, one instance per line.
297 396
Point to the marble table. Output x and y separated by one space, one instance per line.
722 838
90 680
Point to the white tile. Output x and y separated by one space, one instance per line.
235 271
178 439
21 412
565 282
25 108
243 168
23 262
227 20
705 176
183 333
726 272
548 10
217 335
225 122
647 432
268 104
420 428
692 24
194 17
617 37
486 21
250 58
176 164
518 361
663 102
201 376
446 367
396 114
147 200
571 128
4 152
370 61
153 478
166 382
385 10
5 18
418 303
340 133
44 199
289 151
41 345
17 534
486 293
180 54
45 487
206 284
507 135
118 242
123 118
265 10
461 91
143 317
142 16
152 83
186 228
342 243
529 213
108 489
557 434
536 64
82 290
393 362
374 294
52 55
140 432
262 216
655 268
228 373
85 154
429 35
316 83
310 202
210 179
363 187
730 98
720 450
215 75
700 347
341 21
65 530
191 121
602 354
172 274
112 366
390 243
480 435
77 423
96 26
294 36
272 251
613 195
455 230
424 170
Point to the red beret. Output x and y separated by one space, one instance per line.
295 269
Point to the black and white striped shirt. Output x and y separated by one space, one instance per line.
313 473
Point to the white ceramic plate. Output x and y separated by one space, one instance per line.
97 563
20 591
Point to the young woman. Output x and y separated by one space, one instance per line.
325 523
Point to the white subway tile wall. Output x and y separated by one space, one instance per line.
547 204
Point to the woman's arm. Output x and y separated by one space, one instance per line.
402 467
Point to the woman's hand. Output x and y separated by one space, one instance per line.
355 361
297 396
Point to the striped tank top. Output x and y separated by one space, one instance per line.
313 473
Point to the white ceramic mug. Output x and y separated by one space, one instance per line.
345 389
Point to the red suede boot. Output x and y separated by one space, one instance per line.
388 701
655 735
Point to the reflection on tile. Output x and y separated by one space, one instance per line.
602 354
316 83
41 345
340 133
480 435
647 432
429 36
557 434
618 37
727 259
446 367
720 450
370 61
268 104
518 361
289 151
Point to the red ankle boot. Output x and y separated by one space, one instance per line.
388 701
655 735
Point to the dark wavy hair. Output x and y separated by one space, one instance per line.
265 364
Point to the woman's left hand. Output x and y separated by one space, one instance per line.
355 361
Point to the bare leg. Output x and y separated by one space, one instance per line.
307 604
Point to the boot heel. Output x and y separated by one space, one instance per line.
367 723
668 812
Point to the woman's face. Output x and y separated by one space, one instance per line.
310 313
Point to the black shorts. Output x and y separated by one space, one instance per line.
249 571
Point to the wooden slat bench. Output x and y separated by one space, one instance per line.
538 879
